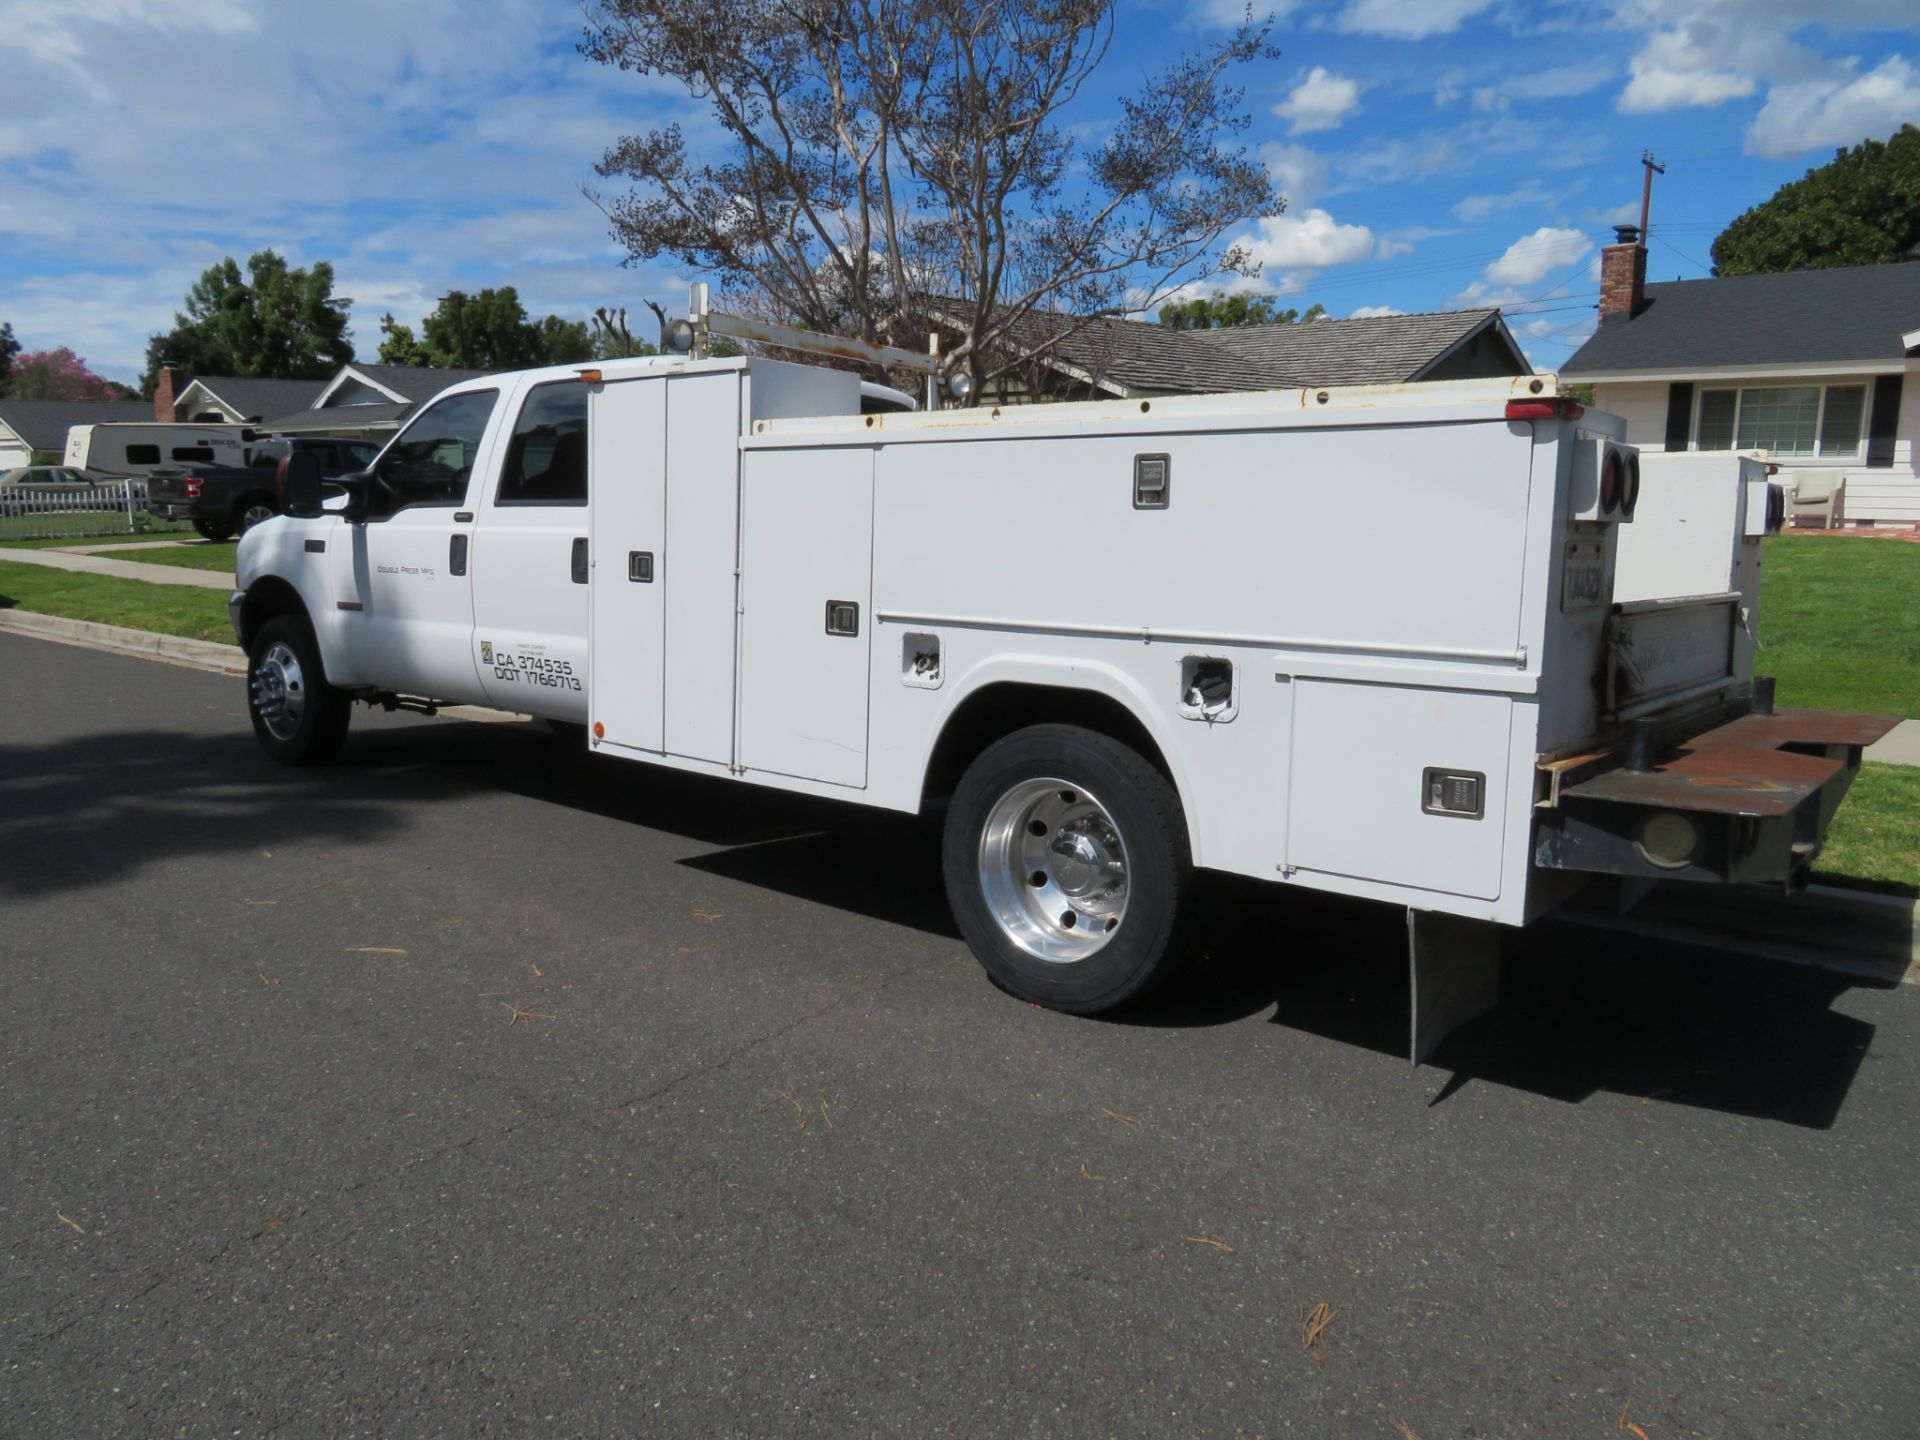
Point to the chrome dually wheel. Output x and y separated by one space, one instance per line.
298 717
279 691
1069 870
1053 869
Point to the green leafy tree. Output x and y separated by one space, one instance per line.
9 347
277 323
565 341
398 345
1218 312
1860 208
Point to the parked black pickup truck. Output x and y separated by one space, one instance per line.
224 500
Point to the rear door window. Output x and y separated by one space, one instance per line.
546 460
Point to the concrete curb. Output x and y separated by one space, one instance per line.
176 649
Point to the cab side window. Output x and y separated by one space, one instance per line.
430 462
547 457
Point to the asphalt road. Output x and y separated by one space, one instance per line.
474 1087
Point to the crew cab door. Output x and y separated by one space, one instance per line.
530 572
402 576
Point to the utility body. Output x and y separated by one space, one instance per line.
1364 640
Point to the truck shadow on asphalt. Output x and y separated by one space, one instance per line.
1581 1012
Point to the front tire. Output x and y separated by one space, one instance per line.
1069 870
298 718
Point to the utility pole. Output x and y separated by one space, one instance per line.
1653 166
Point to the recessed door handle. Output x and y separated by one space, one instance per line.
457 555
580 560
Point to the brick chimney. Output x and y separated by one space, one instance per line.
1623 276
163 394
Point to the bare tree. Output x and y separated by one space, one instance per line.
883 167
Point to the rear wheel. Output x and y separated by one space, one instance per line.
1068 868
298 718
215 533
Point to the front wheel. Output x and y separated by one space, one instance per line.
298 718
1069 871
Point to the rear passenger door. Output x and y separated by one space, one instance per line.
530 591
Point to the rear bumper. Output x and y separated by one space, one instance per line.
1747 801
171 509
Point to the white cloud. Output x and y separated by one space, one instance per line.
1307 242
1370 312
1826 113
1532 258
1558 82
1474 208
1390 249
1625 213
413 165
1321 101
1409 19
1298 173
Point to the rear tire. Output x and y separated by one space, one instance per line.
1069 870
298 718
215 533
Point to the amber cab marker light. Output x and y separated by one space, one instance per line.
591 377
599 731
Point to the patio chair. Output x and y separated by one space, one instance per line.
1816 498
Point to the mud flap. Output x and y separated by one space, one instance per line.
1454 966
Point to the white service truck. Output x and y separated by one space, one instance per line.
1359 640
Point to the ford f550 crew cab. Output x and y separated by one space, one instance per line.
1359 640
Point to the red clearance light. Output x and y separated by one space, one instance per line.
1612 475
1546 407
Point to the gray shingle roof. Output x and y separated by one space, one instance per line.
342 418
257 399
1856 313
1146 357
43 424
417 382
1372 350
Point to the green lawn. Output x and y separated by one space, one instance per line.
169 609
1840 623
1876 836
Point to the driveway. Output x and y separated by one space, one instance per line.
476 1087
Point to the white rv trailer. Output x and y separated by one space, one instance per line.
136 448
1360 640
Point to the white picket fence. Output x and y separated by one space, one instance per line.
115 507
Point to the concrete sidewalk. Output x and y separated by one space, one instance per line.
124 569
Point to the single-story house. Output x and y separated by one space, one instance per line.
234 400
34 432
1113 358
368 402
1812 368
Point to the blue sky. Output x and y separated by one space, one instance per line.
1434 153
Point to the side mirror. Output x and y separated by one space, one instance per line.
300 485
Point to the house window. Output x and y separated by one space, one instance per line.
1793 421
